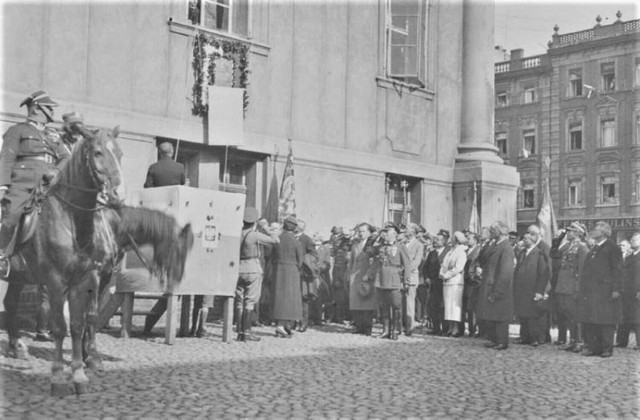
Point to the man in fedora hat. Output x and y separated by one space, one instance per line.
73 122
31 152
165 171
250 274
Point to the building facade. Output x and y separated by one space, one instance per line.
578 108
367 94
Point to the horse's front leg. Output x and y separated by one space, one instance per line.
17 348
59 381
89 351
77 305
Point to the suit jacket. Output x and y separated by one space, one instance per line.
165 172
631 279
495 300
415 249
530 277
601 276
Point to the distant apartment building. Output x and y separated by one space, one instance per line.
578 108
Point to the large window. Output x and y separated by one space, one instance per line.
406 40
501 144
635 196
609 189
402 199
529 94
637 78
608 131
223 15
528 195
529 142
574 193
575 82
575 135
637 133
608 71
501 99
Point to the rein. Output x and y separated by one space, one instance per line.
77 207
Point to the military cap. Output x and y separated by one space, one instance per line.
39 98
513 234
391 225
578 227
73 117
445 233
251 215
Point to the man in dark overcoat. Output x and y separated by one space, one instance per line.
471 283
495 300
431 273
631 295
599 303
545 250
165 171
308 272
529 281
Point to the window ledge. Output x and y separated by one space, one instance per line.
574 208
526 208
402 87
608 205
188 29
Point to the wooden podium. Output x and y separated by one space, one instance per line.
212 264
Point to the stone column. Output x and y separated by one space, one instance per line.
477 138
477 160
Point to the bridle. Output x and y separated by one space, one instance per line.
102 199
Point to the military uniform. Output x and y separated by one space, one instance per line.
391 271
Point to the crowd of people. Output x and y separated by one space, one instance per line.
465 284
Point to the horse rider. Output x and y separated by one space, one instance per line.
72 123
31 152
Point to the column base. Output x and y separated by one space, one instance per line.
473 152
497 189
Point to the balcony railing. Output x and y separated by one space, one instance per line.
598 32
521 63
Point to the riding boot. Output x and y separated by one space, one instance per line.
240 323
385 329
247 327
6 234
396 324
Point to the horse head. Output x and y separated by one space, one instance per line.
102 154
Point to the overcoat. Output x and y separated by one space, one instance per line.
530 277
391 267
309 269
286 295
601 276
431 272
165 172
471 283
497 262
631 279
359 263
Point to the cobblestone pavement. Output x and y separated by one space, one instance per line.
327 373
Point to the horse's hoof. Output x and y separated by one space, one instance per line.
59 389
18 351
94 364
81 387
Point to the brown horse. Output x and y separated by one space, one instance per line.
82 231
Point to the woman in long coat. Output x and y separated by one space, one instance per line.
287 297
362 294
452 275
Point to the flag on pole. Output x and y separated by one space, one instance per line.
474 220
287 202
273 200
546 216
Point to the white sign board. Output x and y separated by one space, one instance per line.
226 116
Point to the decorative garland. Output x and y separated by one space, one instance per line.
206 50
